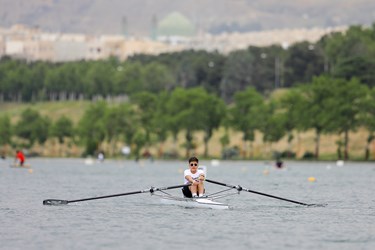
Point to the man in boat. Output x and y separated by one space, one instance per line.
20 157
195 177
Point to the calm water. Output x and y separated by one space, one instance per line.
142 222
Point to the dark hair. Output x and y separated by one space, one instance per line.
193 159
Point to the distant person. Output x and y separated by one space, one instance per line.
279 163
195 177
101 156
20 157
148 155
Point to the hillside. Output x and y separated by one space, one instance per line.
138 17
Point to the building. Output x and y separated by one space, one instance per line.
174 33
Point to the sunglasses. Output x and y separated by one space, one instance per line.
193 164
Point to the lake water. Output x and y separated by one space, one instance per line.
142 222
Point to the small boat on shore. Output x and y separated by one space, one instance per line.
17 165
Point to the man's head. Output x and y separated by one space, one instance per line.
192 159
193 163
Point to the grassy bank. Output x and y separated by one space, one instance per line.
72 109
302 143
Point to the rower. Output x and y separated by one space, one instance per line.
20 157
195 177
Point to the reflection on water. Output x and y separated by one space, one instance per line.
142 222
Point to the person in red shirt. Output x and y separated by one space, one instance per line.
20 157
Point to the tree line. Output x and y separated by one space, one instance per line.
326 105
330 90
339 55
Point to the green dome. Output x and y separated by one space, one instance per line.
175 24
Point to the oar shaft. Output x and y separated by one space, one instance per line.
151 190
255 192
276 197
221 184
108 196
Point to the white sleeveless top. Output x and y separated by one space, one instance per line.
194 176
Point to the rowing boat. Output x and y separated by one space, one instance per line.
208 201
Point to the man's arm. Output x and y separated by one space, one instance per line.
202 177
192 181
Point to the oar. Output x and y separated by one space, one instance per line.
151 190
239 188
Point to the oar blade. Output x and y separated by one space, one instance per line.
54 202
317 205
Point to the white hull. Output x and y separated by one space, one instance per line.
17 165
194 203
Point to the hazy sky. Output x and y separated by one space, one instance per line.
139 16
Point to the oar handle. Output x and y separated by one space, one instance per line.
223 184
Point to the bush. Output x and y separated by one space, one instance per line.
308 156
230 153
288 154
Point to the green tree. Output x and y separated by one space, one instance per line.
368 119
316 114
268 67
359 67
5 130
91 127
62 128
344 107
272 124
161 126
146 103
304 61
128 121
291 109
129 79
185 110
139 140
32 127
213 112
237 74
99 80
351 54
246 115
157 78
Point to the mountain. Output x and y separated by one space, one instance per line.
141 17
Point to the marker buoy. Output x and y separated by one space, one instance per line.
311 179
